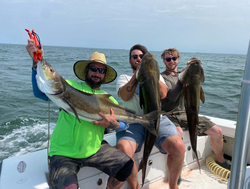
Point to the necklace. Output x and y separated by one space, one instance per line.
174 71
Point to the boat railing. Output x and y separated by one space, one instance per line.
242 134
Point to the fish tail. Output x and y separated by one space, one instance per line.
143 168
152 118
199 165
195 156
140 166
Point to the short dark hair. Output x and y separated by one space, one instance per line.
142 48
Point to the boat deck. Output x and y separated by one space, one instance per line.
193 178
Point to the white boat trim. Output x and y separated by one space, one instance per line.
34 169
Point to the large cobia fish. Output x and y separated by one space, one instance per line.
84 105
148 77
193 93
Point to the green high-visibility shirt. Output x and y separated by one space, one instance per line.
74 139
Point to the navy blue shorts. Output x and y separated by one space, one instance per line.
136 133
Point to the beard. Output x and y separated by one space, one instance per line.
171 68
92 83
133 67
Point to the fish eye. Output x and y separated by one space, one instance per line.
51 70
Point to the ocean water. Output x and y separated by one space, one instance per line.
24 118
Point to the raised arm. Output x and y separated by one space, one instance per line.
31 48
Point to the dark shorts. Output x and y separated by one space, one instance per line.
179 118
63 170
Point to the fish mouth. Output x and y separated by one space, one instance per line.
56 94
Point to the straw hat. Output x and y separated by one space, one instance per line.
80 67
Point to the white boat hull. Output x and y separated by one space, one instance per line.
31 170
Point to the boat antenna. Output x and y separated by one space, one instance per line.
48 178
48 128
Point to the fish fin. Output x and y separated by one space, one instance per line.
140 166
151 117
105 95
154 120
90 94
158 123
72 108
63 110
182 94
143 170
202 95
141 98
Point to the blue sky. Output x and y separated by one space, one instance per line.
211 26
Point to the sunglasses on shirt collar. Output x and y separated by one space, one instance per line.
172 58
94 69
136 56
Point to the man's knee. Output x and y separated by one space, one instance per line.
128 147
174 145
214 131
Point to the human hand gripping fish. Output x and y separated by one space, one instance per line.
107 122
34 48
31 48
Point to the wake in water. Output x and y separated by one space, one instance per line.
23 135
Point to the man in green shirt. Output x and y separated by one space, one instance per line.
76 144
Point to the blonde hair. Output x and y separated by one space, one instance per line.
172 51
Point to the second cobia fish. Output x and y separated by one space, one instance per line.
193 93
84 105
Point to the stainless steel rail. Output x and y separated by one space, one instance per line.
242 134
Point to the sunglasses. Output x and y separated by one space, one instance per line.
94 69
136 56
172 58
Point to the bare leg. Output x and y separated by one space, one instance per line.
114 183
216 142
129 148
175 148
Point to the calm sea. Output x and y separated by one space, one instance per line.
24 118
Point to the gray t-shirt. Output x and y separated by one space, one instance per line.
171 103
